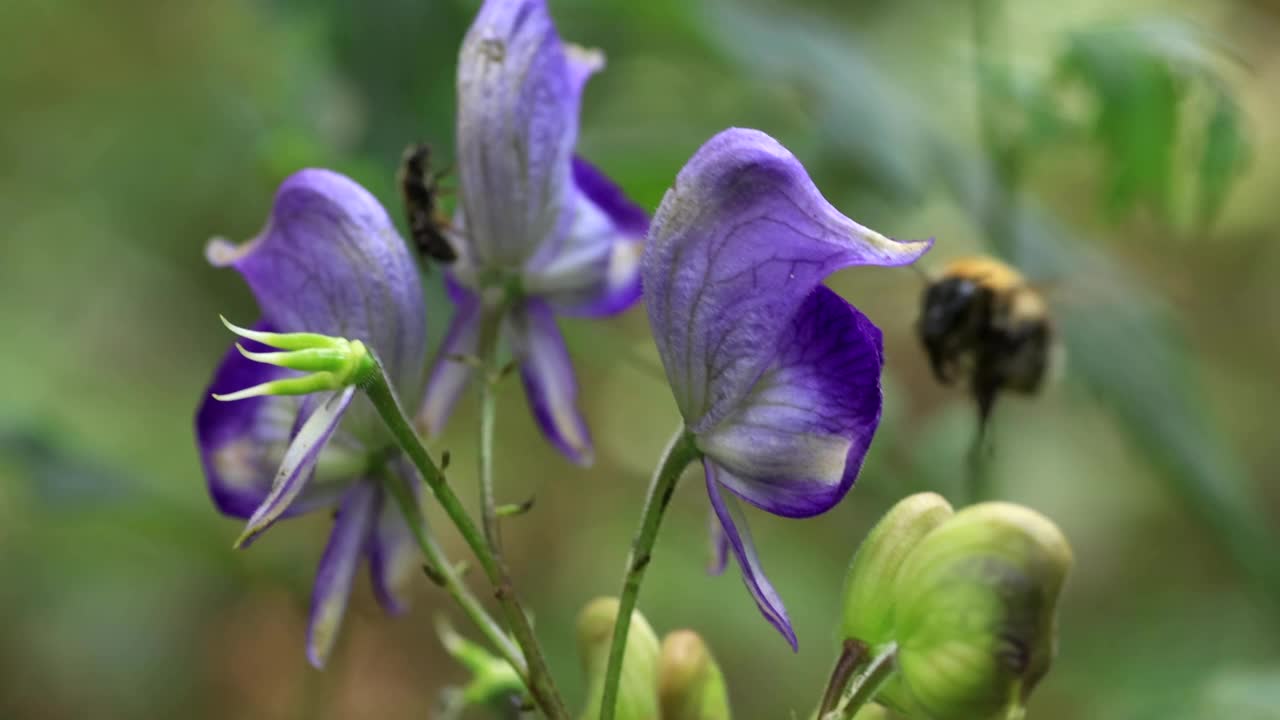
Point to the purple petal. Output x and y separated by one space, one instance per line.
299 461
518 101
242 443
738 534
394 557
338 568
330 261
596 271
548 377
794 446
719 547
738 243
451 373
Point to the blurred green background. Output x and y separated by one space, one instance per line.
1121 152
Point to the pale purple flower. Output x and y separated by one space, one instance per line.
534 219
329 261
776 376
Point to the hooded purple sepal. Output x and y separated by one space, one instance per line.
795 444
331 262
737 537
737 245
518 99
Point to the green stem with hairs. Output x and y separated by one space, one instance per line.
541 686
681 451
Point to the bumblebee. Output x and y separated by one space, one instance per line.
420 188
981 320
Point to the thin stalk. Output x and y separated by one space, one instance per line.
446 575
852 655
541 685
867 683
487 350
679 453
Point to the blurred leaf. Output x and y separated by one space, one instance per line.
1226 150
1137 96
859 112
1141 76
1240 694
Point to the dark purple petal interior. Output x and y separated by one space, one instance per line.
236 439
794 446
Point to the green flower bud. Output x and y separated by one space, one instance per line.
975 615
868 601
690 685
637 699
493 681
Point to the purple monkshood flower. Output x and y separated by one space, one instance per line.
329 261
534 219
776 376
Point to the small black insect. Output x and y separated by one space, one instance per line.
420 188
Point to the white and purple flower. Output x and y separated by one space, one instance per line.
776 376
330 262
536 224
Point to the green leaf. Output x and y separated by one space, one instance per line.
1225 153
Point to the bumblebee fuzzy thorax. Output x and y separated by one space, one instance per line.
982 321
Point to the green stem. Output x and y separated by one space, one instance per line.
487 350
852 656
387 404
681 451
867 683
444 572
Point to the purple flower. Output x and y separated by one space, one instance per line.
776 376
329 261
535 221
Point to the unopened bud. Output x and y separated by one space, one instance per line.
975 616
690 684
868 596
637 699
493 681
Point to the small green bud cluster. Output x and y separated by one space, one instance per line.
675 680
969 598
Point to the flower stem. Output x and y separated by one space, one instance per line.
487 350
680 452
444 573
541 686
866 683
853 655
